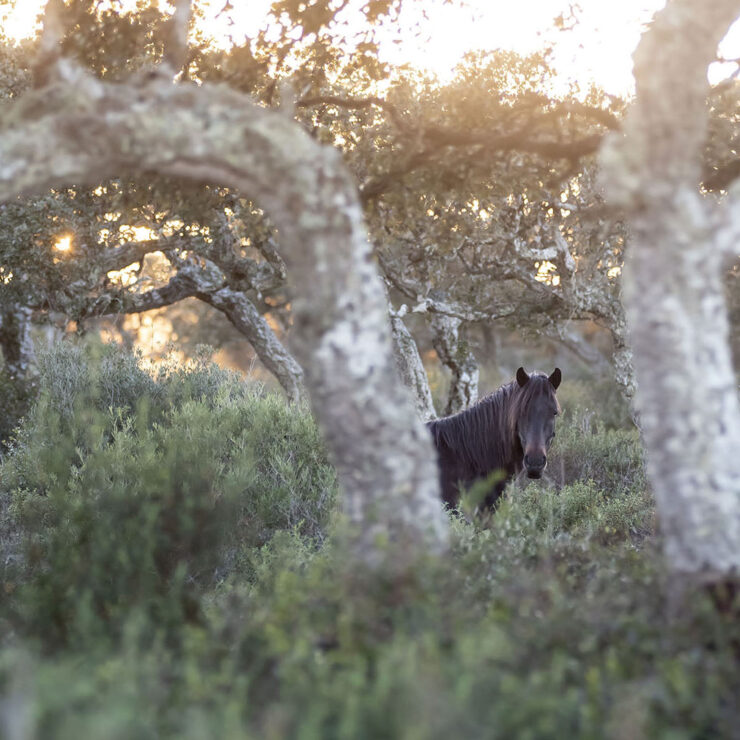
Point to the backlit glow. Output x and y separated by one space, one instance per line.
64 244
596 51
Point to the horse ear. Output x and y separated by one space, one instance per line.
555 378
522 377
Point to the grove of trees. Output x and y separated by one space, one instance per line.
341 215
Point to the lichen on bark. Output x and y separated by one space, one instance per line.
672 291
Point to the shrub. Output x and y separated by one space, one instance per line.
144 504
178 573
584 449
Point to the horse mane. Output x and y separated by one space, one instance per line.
484 435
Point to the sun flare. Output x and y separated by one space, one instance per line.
63 244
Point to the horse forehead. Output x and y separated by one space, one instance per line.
541 404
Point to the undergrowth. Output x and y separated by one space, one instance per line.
175 569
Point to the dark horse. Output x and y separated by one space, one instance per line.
510 429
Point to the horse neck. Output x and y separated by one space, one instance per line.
483 432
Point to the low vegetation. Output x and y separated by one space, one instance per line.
166 572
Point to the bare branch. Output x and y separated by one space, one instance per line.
355 104
522 141
242 313
457 357
118 258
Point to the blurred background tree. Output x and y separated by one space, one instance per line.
480 193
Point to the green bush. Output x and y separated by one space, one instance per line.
176 582
585 449
140 505
479 644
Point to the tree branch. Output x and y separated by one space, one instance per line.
457 357
355 104
411 368
118 258
492 142
242 313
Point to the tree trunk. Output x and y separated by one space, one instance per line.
686 395
454 353
245 317
411 368
82 130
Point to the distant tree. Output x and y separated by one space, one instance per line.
681 241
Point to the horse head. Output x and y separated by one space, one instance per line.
534 417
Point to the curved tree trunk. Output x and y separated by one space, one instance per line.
245 317
82 131
686 394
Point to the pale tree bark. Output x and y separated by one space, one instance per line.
81 130
686 395
455 355
411 369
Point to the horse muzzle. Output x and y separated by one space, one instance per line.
535 465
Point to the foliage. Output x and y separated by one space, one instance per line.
449 203
585 450
135 490
122 619
14 401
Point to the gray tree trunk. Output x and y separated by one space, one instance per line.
411 368
454 353
686 394
81 130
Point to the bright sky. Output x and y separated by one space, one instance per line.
598 50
